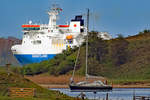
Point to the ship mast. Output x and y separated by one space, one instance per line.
53 15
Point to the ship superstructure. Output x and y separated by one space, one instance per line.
43 41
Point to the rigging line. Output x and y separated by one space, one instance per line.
76 63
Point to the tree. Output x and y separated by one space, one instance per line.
28 71
118 51
98 48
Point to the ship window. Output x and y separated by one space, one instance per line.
41 32
31 28
37 42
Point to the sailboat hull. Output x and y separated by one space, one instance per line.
75 88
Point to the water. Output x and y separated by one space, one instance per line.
115 94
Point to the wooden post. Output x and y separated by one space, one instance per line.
94 95
107 96
134 95
143 98
8 68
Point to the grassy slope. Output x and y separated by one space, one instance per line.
137 68
14 80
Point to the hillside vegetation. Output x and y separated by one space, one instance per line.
119 58
15 80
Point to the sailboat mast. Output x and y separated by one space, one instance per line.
87 44
88 11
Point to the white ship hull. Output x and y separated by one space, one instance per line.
28 55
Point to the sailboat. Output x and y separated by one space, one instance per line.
86 86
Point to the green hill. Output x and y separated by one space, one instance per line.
117 59
15 80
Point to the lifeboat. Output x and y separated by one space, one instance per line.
69 37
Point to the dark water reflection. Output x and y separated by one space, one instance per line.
116 94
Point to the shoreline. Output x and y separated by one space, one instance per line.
63 81
114 86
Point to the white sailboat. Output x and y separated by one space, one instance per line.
86 86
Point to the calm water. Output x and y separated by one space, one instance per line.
116 94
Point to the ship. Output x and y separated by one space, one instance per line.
44 41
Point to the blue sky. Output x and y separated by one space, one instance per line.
126 17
